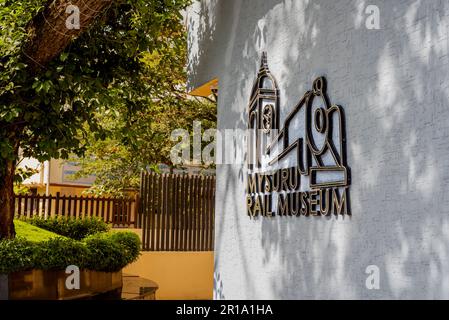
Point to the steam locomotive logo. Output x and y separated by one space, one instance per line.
313 133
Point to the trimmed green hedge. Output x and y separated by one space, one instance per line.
73 228
108 252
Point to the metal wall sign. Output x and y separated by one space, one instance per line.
297 167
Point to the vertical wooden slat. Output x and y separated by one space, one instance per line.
169 216
177 205
25 209
146 215
149 210
135 203
197 213
110 210
97 207
37 199
122 211
75 206
50 201
31 206
191 211
69 206
91 205
159 213
213 213
19 208
42 209
42 205
37 202
169 213
130 217
63 211
104 208
115 208
172 201
139 221
203 214
119 211
126 212
143 210
116 212
129 212
206 213
86 207
155 209
181 212
82 207
185 212
209 208
181 209
103 211
164 212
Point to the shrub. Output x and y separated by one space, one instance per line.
73 228
108 252
130 243
112 251
17 254
58 253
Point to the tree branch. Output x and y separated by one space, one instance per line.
49 35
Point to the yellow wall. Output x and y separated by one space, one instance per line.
63 190
180 275
66 190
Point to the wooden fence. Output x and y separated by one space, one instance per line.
177 212
121 212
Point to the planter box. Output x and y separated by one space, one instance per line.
50 285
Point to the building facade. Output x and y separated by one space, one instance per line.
55 176
342 193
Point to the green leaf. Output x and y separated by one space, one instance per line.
63 57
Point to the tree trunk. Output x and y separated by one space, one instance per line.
7 173
49 34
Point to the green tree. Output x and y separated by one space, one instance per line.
118 160
140 140
54 80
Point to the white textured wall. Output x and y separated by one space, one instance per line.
394 86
